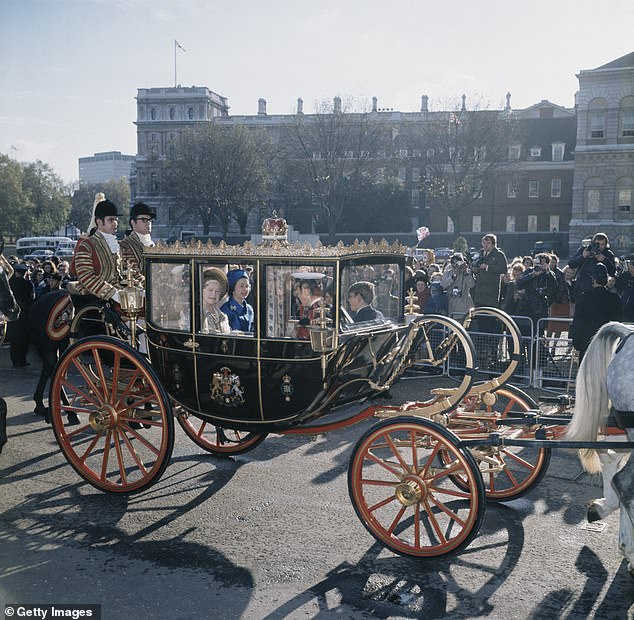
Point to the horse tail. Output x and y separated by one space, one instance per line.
591 393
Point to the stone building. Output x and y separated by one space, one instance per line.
604 155
572 172
107 166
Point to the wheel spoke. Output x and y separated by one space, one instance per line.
397 520
79 393
102 375
89 382
117 447
397 454
382 463
86 454
434 523
106 453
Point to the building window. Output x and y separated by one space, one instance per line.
415 175
533 189
597 124
417 153
476 223
532 223
154 184
554 223
153 114
627 124
403 153
555 188
515 152
431 153
316 155
451 188
510 223
415 198
558 151
625 200
349 154
450 228
536 151
172 114
452 151
402 174
593 200
511 190
190 114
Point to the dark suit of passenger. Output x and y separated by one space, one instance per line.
367 313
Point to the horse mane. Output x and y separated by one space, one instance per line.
592 402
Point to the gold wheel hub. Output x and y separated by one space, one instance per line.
411 491
104 419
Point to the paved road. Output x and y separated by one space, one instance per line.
272 534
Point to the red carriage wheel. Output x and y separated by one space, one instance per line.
216 439
510 471
405 496
125 434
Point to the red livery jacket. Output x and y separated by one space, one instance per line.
96 267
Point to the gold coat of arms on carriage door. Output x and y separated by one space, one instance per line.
226 389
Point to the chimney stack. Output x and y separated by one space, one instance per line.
508 102
300 105
261 107
375 101
337 105
424 101
464 104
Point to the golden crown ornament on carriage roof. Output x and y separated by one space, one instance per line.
275 228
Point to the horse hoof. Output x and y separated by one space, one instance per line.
41 410
73 420
592 513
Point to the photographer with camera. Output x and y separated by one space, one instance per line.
625 288
585 260
458 280
540 290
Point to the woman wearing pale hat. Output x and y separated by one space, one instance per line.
238 311
215 285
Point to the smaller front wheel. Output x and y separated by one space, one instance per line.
216 439
405 495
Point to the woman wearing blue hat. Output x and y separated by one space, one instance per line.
238 311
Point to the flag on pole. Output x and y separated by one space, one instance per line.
453 118
179 45
422 232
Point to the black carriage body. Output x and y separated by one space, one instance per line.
271 379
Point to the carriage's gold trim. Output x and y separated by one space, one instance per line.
276 249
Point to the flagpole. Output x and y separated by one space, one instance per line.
175 80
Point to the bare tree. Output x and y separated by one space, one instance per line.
218 174
464 152
329 156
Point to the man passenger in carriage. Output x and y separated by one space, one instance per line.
96 258
309 295
140 236
238 311
360 298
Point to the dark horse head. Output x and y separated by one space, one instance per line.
8 305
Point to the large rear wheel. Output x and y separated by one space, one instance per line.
125 435
405 496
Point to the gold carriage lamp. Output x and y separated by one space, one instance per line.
322 337
132 296
412 309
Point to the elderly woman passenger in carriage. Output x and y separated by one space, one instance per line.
214 289
309 298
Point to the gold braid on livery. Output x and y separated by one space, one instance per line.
96 267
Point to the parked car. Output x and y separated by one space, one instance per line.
40 255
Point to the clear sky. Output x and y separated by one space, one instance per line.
70 69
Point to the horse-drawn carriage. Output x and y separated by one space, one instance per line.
418 479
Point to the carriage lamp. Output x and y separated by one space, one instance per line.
131 300
322 337
412 309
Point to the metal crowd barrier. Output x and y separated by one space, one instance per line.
548 360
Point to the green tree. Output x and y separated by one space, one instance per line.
14 202
328 155
50 203
118 191
216 175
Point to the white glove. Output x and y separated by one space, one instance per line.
115 297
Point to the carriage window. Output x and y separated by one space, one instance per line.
170 297
294 295
371 292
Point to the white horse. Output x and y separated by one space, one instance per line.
605 379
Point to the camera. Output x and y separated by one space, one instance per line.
456 292
594 248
